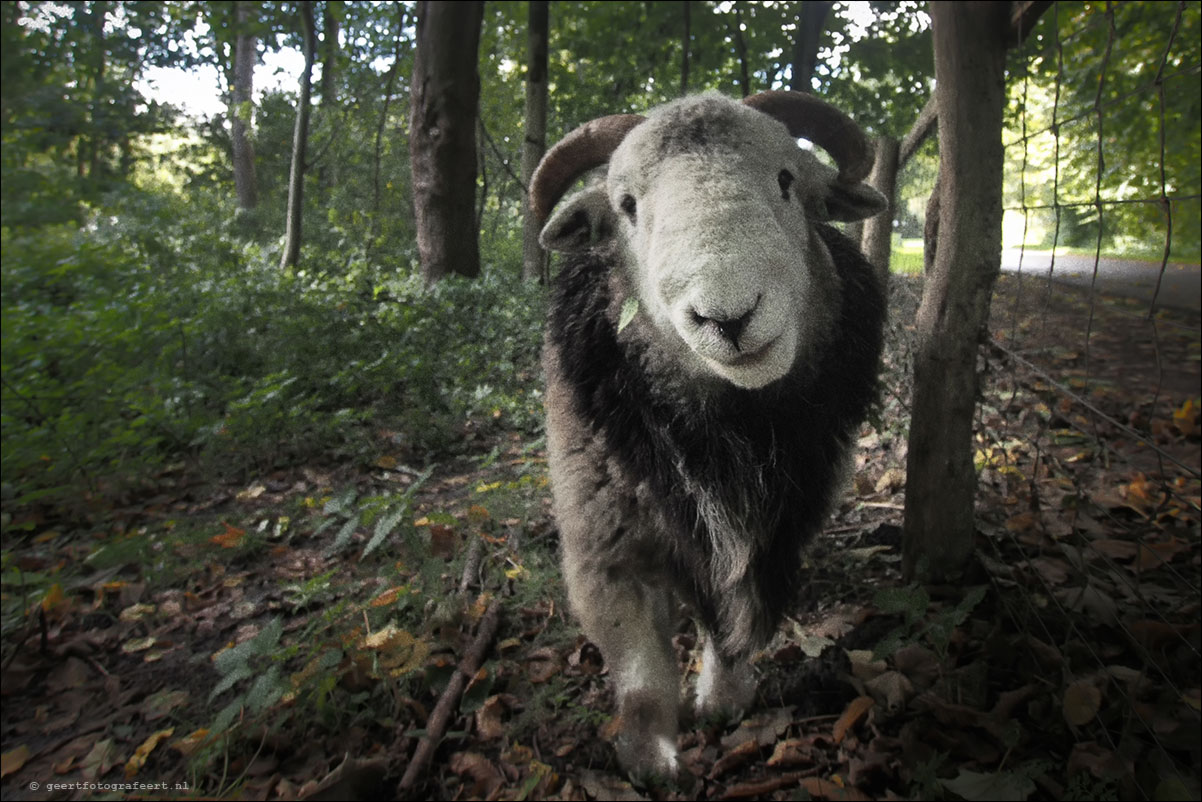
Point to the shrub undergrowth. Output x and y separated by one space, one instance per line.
157 337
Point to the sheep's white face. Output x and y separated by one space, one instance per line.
709 201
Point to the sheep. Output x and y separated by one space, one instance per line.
712 347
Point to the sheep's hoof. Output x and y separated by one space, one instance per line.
649 760
646 736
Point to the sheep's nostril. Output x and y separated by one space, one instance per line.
730 328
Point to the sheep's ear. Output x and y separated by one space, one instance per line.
580 222
846 202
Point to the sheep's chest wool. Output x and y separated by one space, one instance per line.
767 457
696 446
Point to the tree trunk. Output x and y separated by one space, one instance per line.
930 230
534 259
89 146
300 138
326 177
969 42
877 235
442 137
810 20
245 183
741 50
389 87
685 44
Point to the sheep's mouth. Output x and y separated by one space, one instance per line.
753 358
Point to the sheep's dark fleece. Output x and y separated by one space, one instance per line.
797 428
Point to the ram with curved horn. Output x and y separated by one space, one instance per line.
711 350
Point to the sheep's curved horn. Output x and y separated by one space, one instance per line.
824 125
587 147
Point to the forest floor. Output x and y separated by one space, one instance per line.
284 638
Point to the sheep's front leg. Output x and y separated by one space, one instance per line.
631 623
725 687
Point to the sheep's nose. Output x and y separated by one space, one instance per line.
729 326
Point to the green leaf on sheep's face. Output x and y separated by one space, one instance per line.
630 308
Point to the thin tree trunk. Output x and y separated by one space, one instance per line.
300 138
245 182
810 20
930 230
390 86
741 50
685 45
91 145
326 177
534 260
969 42
445 94
877 242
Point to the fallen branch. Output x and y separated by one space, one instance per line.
436 725
471 565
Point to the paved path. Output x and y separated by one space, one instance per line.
1181 287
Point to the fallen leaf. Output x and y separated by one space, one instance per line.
855 710
489 724
162 703
918 663
443 542
1089 598
1114 549
793 752
399 653
13 760
891 481
1002 786
606 785
827 789
1155 634
138 644
863 666
542 664
1051 570
100 760
1081 702
136 612
231 538
1098 760
135 763
189 744
1153 555
53 598
1022 522
70 675
252 492
485 777
764 728
738 756
891 690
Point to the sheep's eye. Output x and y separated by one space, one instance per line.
785 179
628 206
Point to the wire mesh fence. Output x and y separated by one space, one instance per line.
1088 426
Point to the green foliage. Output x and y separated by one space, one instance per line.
1003 785
156 335
383 513
911 602
1105 116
